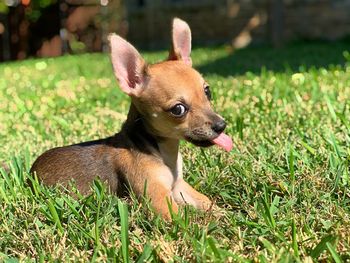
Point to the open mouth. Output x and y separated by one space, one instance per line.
222 140
200 143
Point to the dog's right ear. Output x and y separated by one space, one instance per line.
129 67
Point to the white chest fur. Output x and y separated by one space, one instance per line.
169 151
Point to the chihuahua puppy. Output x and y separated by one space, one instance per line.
170 101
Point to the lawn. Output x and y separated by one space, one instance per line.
282 193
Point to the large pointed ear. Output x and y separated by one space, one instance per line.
181 45
129 67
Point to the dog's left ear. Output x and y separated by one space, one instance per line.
181 45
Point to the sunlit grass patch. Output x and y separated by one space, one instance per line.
282 193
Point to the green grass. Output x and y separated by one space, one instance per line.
283 192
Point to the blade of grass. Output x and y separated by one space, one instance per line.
16 170
146 254
294 240
343 119
267 209
334 143
308 147
240 126
3 194
123 212
99 191
213 247
291 167
334 253
331 108
55 216
267 244
72 208
8 181
27 159
322 246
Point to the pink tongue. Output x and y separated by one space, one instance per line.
224 141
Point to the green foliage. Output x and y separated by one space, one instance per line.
282 194
3 7
36 8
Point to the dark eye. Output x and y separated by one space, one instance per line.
178 110
207 92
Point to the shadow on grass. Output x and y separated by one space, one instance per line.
293 57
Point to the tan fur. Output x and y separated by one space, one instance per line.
144 156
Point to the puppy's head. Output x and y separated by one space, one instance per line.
172 97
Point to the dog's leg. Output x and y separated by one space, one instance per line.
154 181
183 193
162 200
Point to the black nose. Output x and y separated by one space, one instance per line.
219 126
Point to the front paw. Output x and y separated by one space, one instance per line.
163 209
204 203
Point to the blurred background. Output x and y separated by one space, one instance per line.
45 28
